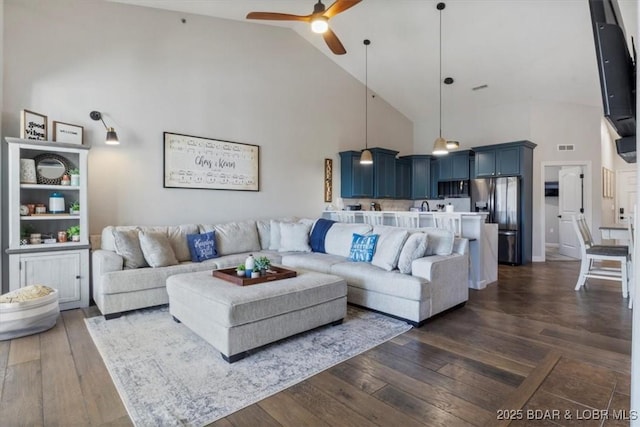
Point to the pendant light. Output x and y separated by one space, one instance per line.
366 158
440 144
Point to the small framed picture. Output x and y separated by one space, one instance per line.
33 125
66 132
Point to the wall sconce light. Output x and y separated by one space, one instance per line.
112 137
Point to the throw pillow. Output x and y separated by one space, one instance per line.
389 247
413 248
319 233
363 247
127 245
294 237
440 241
274 235
157 249
202 246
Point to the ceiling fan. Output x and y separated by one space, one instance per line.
319 20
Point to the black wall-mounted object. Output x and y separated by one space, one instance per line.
617 72
551 189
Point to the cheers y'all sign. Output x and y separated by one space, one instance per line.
194 162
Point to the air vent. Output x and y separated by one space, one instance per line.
565 147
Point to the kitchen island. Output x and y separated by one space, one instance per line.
483 237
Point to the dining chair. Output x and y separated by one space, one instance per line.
593 257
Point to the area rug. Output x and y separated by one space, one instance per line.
167 375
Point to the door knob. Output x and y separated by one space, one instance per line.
559 216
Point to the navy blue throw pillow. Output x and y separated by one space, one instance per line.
202 246
320 229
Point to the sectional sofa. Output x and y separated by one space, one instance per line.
435 276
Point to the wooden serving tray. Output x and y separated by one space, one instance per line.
229 274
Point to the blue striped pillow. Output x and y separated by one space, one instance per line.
363 247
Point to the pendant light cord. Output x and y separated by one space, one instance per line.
366 95
440 75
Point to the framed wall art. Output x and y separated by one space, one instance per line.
66 132
328 180
33 125
214 164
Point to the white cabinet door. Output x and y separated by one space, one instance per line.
61 270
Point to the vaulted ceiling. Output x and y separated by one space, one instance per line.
521 49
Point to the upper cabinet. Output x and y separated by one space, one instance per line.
453 166
356 179
502 159
368 181
403 178
384 173
419 184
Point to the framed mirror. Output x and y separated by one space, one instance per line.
51 167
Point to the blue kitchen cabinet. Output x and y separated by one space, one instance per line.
384 173
420 178
403 178
500 159
453 166
356 180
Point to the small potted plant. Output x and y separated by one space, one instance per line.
75 177
74 208
263 263
255 273
74 233
240 270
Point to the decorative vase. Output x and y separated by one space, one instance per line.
75 238
249 263
240 273
75 180
255 274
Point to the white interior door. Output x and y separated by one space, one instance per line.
569 204
625 196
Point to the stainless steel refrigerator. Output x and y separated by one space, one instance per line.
500 197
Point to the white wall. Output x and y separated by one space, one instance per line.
148 72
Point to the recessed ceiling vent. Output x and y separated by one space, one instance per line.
566 147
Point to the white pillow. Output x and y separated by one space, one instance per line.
413 248
157 249
388 248
274 235
294 237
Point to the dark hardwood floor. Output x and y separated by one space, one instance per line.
528 350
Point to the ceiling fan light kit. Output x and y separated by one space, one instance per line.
319 25
319 21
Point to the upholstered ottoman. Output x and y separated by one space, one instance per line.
27 311
235 319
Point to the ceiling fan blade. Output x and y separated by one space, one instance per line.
340 6
278 16
333 42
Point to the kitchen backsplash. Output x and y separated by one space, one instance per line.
461 204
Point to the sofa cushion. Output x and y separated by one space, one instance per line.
274 235
413 248
235 237
127 245
339 237
294 237
312 261
156 249
371 278
389 246
202 246
363 247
